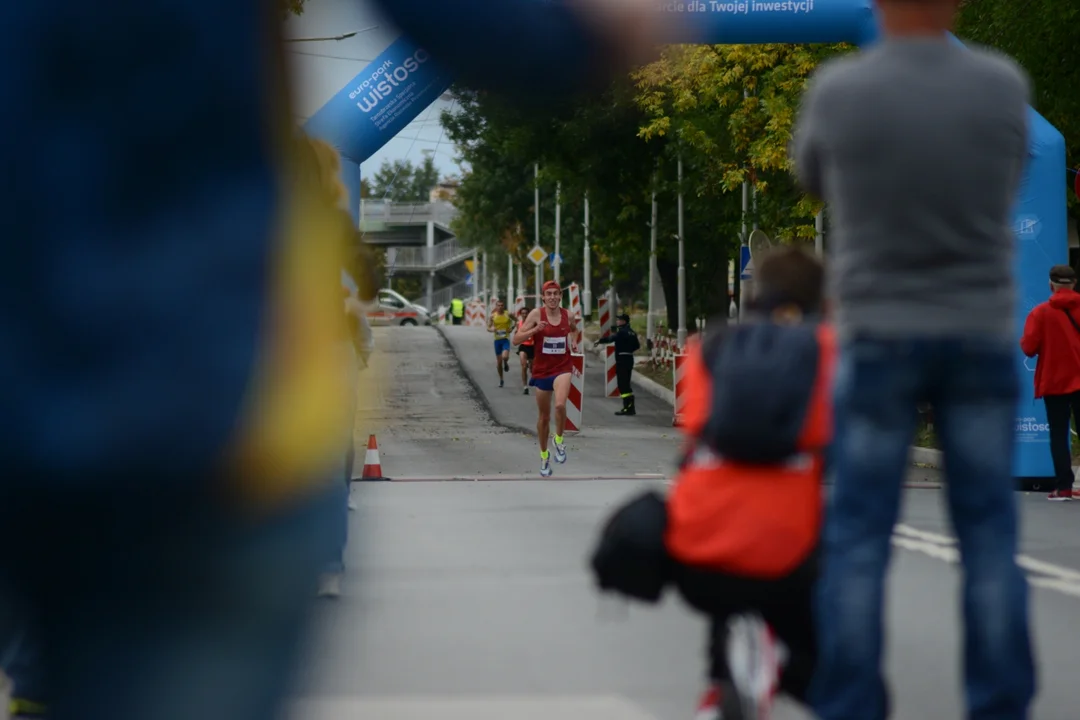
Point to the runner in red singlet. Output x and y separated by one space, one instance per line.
551 329
524 350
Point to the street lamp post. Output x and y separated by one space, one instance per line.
586 294
819 232
650 320
681 332
510 281
536 227
556 260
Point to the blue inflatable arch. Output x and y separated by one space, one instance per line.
404 80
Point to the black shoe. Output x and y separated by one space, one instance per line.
500 383
506 366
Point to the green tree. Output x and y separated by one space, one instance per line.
593 148
401 181
734 106
1042 36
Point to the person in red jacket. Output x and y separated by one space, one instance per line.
1052 332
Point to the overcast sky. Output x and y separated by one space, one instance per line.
324 68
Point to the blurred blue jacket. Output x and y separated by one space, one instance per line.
139 201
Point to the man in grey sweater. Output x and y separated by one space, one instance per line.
918 146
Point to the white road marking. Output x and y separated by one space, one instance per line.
1041 574
539 707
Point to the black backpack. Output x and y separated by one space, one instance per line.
763 381
631 557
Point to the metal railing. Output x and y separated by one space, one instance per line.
443 296
427 258
407 212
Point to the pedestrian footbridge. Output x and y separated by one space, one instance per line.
446 257
418 239
386 223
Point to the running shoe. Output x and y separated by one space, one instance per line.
524 391
1060 496
545 467
754 659
330 585
560 452
709 706
720 702
506 366
500 383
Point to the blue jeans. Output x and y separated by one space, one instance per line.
159 605
972 384
336 528
337 495
22 663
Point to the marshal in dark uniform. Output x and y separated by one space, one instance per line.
626 344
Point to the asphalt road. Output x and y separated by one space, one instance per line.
469 599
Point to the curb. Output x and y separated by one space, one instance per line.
926 456
919 455
526 478
655 389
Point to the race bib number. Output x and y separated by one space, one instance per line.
554 346
500 334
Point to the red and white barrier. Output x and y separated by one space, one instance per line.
605 315
664 350
577 393
678 372
476 314
575 313
519 303
611 386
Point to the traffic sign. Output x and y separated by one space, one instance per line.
746 265
537 255
468 280
555 259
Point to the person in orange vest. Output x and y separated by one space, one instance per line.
738 532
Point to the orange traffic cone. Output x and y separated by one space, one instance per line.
372 466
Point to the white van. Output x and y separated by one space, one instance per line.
391 308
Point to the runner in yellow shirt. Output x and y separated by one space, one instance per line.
501 323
